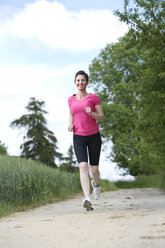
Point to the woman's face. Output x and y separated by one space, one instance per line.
81 82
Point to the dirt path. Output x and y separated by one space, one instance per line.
121 219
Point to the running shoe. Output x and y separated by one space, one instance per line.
96 191
87 204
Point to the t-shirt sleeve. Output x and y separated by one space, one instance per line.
96 100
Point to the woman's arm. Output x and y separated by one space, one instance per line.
98 114
70 127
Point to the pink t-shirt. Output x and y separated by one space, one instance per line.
84 124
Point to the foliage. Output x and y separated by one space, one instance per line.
148 27
147 23
3 148
40 144
129 78
114 75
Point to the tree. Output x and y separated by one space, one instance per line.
3 148
147 24
129 77
70 163
114 76
40 144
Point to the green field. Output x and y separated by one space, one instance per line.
27 184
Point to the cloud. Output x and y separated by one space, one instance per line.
110 171
37 79
53 25
53 86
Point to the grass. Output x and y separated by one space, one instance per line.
107 186
6 209
151 181
27 184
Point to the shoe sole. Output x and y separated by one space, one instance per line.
88 205
90 209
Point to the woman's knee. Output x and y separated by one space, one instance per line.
83 166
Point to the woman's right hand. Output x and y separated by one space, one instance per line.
70 128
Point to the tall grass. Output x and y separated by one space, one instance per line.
25 182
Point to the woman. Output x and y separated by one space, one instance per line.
85 110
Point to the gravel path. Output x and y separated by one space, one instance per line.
121 219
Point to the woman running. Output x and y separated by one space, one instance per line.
85 110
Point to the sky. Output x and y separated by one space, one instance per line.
43 43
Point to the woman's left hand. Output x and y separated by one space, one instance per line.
98 114
88 110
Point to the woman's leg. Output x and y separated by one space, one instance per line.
84 178
95 174
94 149
95 182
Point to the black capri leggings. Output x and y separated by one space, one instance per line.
87 145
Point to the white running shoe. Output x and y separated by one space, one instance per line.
96 191
87 204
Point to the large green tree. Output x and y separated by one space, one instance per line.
147 25
114 76
40 144
129 77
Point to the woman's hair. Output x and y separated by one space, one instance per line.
82 73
